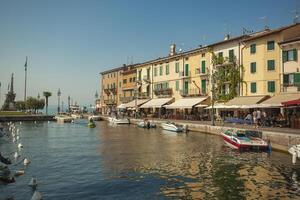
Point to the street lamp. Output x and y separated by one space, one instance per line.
58 100
69 99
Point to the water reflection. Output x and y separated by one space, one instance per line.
199 166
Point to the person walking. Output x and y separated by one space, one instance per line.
254 114
258 117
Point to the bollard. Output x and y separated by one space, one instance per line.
294 158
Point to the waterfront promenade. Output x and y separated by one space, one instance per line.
280 138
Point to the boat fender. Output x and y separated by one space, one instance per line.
294 157
19 172
20 146
26 161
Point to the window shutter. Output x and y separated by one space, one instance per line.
285 56
295 54
203 67
297 78
285 79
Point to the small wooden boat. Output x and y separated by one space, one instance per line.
295 152
244 140
91 125
171 126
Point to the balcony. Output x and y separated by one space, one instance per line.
113 90
107 92
146 78
166 92
191 93
185 74
110 101
143 95
126 99
291 87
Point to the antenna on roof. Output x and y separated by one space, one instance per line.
296 16
265 19
246 31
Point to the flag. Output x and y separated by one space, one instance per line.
25 63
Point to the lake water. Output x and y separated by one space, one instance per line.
71 161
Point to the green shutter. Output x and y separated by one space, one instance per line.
253 48
295 54
271 64
297 78
186 70
203 68
155 71
285 56
285 79
203 86
177 85
253 67
167 69
231 55
177 67
271 45
253 87
271 86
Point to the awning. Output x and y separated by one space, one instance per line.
137 102
246 100
185 103
156 103
121 106
223 106
295 102
276 101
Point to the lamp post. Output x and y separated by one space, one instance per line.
58 100
62 106
25 88
96 98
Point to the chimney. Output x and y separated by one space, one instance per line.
172 50
227 37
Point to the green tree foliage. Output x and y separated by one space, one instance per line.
46 95
20 105
226 73
35 104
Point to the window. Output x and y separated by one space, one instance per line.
177 85
220 54
291 79
271 86
203 86
253 87
133 79
231 55
290 55
253 48
271 45
176 67
253 67
124 81
271 65
155 71
161 70
203 55
120 84
148 73
140 75
187 70
167 69
203 68
297 78
114 74
114 85
107 86
130 80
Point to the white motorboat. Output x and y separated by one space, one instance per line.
171 126
76 116
146 124
63 118
295 151
115 120
95 117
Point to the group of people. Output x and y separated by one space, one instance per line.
260 118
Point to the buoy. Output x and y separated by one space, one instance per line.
294 157
26 161
33 182
19 172
37 196
20 145
35 122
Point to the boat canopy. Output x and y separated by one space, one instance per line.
156 103
134 103
186 103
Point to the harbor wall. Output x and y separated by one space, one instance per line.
14 118
279 141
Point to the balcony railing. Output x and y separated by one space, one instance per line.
191 92
200 72
163 92
126 99
291 87
110 101
185 74
146 78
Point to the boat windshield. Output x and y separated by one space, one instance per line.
240 134
255 134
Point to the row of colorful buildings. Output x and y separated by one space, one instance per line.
266 63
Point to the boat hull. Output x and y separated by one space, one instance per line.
249 146
171 127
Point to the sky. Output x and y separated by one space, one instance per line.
69 42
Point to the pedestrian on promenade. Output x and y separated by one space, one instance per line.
258 117
254 117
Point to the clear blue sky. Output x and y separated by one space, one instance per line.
69 42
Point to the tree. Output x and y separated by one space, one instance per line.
20 105
47 95
34 104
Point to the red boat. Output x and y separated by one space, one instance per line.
244 140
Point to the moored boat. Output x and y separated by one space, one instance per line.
63 118
146 124
171 126
115 120
95 117
244 140
295 152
